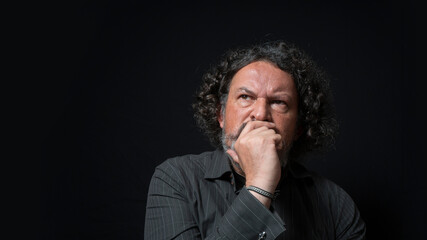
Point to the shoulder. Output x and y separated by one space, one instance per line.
330 190
186 166
339 203
341 208
188 161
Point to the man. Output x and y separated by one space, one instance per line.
264 107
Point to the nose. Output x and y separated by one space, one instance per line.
261 111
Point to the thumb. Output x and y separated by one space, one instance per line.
233 155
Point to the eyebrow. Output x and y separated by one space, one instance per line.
244 89
280 94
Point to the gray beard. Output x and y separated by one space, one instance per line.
233 138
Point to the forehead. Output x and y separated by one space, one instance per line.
262 76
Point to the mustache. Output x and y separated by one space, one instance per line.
236 135
232 138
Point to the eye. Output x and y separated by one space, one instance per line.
245 100
279 102
245 97
279 105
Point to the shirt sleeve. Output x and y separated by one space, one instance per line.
247 218
170 216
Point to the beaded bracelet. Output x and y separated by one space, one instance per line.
263 192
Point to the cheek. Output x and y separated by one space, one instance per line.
230 121
234 118
287 127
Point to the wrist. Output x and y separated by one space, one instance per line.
264 185
262 192
262 199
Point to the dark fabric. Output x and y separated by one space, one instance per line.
200 197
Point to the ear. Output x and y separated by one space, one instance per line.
219 115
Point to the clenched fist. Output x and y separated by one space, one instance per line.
256 152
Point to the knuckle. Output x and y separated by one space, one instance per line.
264 128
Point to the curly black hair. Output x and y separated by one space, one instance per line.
316 116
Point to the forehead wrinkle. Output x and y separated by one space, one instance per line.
245 89
269 91
273 82
263 83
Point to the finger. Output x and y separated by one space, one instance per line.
260 131
256 124
279 142
264 130
268 134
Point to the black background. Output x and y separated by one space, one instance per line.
121 78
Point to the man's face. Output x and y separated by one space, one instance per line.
261 91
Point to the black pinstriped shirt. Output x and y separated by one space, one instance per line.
199 197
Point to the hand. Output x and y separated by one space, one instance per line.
255 150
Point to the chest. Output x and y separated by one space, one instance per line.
210 200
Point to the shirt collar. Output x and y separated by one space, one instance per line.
218 166
297 170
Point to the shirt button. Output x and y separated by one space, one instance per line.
262 235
